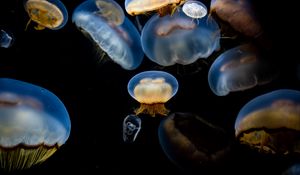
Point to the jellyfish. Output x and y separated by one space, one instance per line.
239 14
292 170
34 124
51 14
163 7
131 127
192 143
111 31
194 9
178 39
270 123
238 69
152 89
6 39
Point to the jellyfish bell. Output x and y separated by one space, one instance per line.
194 9
120 42
178 39
239 14
152 89
34 124
270 123
163 7
237 69
51 14
194 144
110 11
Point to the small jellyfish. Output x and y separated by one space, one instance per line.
113 33
51 14
178 39
152 89
163 7
6 39
193 144
194 9
34 123
270 123
238 69
131 127
239 14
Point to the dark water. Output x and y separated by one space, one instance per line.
95 94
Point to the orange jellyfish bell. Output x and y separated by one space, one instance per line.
152 89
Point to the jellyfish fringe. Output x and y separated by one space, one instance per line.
152 109
22 157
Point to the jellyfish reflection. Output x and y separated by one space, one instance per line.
34 123
238 69
131 127
178 39
111 31
192 143
6 39
152 89
270 123
51 14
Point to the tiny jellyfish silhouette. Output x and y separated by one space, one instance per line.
152 89
238 69
163 7
239 14
192 143
34 124
178 39
270 123
194 9
104 22
131 127
6 39
51 14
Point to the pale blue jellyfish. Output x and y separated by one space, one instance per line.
6 39
34 123
131 127
179 39
270 123
293 170
194 9
238 69
105 23
51 14
152 89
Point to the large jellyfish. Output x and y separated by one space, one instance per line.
105 23
6 39
238 69
270 123
51 14
194 9
179 39
239 14
34 123
163 7
152 89
193 144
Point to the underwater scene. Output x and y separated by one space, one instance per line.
180 87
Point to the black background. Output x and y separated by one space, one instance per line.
95 93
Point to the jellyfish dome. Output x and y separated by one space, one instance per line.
51 14
6 39
270 123
152 89
192 143
105 23
238 69
34 123
137 7
194 9
179 39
